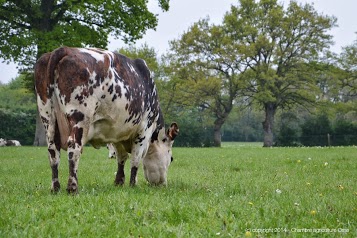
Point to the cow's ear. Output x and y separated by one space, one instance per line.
173 131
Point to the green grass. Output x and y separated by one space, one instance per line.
211 192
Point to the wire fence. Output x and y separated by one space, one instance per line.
311 140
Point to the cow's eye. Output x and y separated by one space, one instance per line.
164 140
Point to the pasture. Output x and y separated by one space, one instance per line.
239 190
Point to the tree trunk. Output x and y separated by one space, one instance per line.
221 117
217 137
270 109
40 134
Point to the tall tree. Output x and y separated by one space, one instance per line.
29 28
278 45
204 59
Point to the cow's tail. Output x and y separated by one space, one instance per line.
62 123
56 56
61 118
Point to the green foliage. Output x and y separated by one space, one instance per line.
348 61
329 127
211 192
143 52
17 112
195 125
315 131
243 125
344 133
194 130
289 131
18 125
30 28
15 96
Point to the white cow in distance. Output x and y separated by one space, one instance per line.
4 142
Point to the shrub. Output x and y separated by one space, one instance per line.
19 125
345 133
315 131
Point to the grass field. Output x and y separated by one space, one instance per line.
239 190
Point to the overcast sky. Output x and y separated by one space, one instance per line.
183 13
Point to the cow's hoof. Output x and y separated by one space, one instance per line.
72 188
119 179
72 191
119 182
55 187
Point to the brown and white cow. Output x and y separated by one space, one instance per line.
99 97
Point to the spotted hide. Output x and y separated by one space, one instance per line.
99 97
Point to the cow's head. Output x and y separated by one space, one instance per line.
2 142
159 156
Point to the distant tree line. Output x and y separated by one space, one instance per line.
318 130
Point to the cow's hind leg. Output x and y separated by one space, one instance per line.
122 156
53 146
75 147
74 154
54 152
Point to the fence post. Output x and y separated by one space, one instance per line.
328 140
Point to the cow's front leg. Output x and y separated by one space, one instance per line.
120 176
135 161
122 156
138 151
133 175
